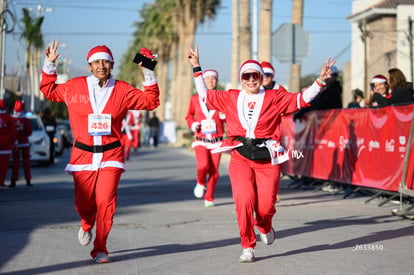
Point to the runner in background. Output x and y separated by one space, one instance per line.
208 128
8 140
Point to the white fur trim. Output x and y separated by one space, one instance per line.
268 70
310 93
210 73
100 55
194 126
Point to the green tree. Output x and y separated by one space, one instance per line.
168 28
33 42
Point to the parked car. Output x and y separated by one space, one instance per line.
39 140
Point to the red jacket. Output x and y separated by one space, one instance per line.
8 135
196 114
76 94
23 129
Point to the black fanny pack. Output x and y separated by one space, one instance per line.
250 150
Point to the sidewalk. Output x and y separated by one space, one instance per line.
159 228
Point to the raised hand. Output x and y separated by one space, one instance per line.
193 56
326 69
51 51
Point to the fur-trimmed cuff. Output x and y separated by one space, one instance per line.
49 67
194 126
149 77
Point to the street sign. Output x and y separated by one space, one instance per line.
290 43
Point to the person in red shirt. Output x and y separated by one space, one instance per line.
97 105
253 117
24 130
208 128
8 139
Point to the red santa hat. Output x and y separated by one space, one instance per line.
267 67
210 73
250 64
2 106
379 78
99 52
19 106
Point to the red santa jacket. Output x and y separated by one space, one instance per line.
23 129
197 112
8 135
78 95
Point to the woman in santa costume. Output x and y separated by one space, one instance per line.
253 118
24 130
97 104
208 128
8 139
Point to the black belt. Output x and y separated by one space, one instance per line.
98 148
251 141
217 139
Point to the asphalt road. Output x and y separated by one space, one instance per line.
160 228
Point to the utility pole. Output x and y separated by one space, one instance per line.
410 43
297 18
255 30
364 35
36 69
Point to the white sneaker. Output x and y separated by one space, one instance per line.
84 237
269 237
199 191
102 258
247 256
208 203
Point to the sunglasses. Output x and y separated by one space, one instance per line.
268 74
247 76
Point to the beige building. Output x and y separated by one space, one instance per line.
381 32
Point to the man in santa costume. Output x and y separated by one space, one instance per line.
8 139
208 128
97 104
268 75
253 118
24 130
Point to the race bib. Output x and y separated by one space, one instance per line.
99 124
208 126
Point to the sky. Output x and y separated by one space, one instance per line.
79 25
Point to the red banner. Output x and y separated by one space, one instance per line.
364 147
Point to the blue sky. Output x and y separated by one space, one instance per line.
80 25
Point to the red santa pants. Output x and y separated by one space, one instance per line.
255 185
135 141
4 166
126 143
207 164
95 200
25 151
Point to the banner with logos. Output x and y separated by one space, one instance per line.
363 147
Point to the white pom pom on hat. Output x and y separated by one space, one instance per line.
250 64
100 52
